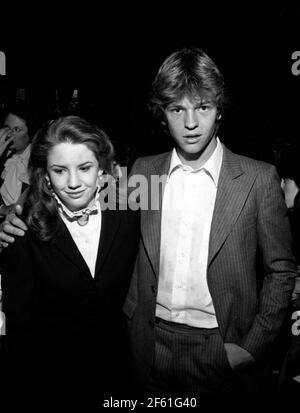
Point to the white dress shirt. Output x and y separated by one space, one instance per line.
187 210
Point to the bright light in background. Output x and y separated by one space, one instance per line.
2 63
2 323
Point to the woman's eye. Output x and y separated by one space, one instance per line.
85 168
58 171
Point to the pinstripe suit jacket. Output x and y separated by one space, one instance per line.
249 221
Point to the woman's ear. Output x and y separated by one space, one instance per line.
100 176
48 182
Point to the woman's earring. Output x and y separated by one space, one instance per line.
48 184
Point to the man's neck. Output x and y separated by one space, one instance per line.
197 160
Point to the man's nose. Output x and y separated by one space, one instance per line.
191 119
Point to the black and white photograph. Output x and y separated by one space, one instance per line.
149 196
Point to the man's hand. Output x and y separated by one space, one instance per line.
12 226
238 357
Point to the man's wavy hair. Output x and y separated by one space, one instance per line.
40 209
187 72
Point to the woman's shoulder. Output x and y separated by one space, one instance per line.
20 245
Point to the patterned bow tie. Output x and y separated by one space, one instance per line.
82 217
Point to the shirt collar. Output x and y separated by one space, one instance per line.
212 165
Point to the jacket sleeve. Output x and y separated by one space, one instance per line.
17 280
279 267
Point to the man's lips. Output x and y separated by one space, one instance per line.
191 138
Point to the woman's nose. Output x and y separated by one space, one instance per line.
73 181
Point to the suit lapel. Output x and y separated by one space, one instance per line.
65 243
233 188
151 219
110 222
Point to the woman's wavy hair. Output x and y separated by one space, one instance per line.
187 72
40 209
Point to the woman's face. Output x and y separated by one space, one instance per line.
18 132
73 171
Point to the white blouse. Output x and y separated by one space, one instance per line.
86 237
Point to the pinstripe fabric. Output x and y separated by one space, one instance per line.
188 361
249 220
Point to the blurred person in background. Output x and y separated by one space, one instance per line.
15 138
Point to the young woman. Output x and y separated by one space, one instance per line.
65 281
15 137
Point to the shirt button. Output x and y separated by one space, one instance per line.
153 288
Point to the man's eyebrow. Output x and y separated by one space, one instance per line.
176 105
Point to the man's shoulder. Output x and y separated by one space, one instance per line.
153 158
250 164
151 161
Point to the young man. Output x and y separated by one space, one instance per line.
201 318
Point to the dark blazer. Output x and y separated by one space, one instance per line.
249 220
64 327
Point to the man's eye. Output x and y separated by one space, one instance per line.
16 129
176 110
204 108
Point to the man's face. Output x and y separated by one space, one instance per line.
18 131
192 124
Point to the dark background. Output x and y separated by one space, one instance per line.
112 57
